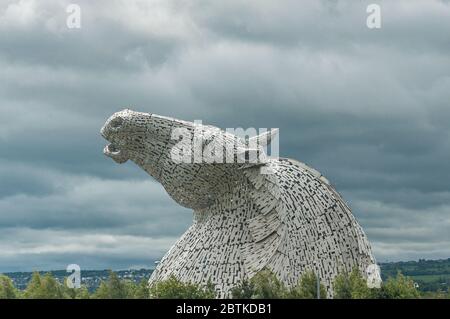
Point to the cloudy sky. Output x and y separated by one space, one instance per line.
368 108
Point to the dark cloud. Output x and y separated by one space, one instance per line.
85 203
367 108
24 250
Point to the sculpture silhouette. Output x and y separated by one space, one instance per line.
248 214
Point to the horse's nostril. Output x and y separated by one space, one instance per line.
116 122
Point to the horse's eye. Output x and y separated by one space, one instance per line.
116 122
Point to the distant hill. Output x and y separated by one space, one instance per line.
430 275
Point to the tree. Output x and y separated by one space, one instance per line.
142 290
114 288
102 292
267 286
131 288
351 286
172 288
82 293
307 288
45 287
51 289
400 287
342 286
244 290
75 293
7 289
117 288
33 288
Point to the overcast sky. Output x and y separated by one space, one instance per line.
369 108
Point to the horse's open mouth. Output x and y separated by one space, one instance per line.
119 156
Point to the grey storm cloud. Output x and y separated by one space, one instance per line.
368 108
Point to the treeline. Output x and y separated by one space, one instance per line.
264 285
417 268
420 267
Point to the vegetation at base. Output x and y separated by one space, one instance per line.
263 285
400 287
352 286
115 288
346 286
7 289
307 288
172 288
431 276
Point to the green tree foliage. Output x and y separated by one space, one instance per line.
7 289
244 290
267 286
400 287
102 291
307 288
263 285
75 293
51 289
82 293
172 288
43 287
142 290
115 288
352 286
34 286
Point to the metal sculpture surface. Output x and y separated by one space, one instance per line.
250 211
